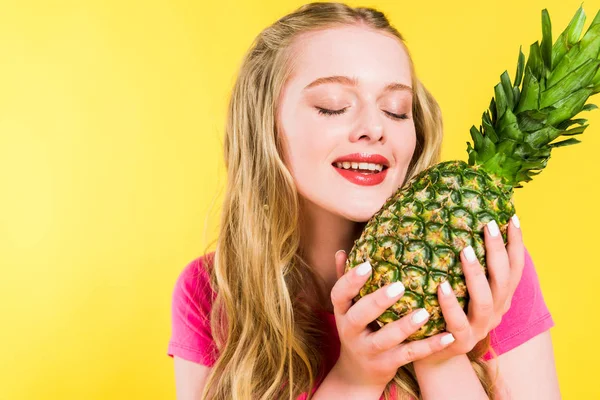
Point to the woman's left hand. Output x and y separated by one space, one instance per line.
489 299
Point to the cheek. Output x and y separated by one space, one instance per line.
307 150
412 140
311 141
404 146
295 133
404 149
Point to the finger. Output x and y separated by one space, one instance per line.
348 286
457 321
481 303
371 306
418 349
498 265
340 259
516 253
396 332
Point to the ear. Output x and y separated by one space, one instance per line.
340 263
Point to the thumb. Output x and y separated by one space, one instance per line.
340 263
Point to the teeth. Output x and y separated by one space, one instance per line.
362 166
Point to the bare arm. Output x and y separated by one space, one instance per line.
335 387
190 378
528 371
449 379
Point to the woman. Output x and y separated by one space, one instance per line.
269 314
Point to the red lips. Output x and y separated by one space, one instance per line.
365 158
362 178
359 177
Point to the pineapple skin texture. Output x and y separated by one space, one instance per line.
417 235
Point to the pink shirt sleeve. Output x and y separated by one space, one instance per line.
192 298
527 317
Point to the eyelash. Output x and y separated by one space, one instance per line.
326 112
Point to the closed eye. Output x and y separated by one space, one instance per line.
324 111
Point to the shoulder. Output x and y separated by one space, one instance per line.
196 274
528 315
192 301
192 288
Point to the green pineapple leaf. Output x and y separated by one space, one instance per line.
575 131
565 143
526 117
569 37
519 73
547 40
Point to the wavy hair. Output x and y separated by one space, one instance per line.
267 339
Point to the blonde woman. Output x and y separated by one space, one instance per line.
269 314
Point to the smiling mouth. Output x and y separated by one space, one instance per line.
362 175
364 168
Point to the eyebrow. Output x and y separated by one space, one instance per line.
347 81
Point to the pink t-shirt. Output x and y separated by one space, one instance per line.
191 337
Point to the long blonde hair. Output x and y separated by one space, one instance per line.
268 340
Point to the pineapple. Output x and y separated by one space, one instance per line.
417 235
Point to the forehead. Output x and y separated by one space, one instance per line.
372 57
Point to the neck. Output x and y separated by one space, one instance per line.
323 234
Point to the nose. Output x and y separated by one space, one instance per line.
369 126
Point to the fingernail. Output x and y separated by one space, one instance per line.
395 289
447 339
516 221
446 289
364 268
339 251
469 254
493 228
420 316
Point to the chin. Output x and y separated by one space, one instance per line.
361 214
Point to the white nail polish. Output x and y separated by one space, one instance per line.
420 316
493 228
395 289
470 254
364 268
516 221
446 289
447 339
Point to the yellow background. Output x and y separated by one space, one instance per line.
111 119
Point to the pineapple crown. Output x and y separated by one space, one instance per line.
518 131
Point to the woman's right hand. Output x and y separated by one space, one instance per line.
371 358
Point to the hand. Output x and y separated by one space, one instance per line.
489 300
371 358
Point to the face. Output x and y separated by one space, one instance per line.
366 111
